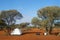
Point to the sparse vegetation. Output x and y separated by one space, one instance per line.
45 19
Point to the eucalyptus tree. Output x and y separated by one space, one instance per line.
49 14
9 17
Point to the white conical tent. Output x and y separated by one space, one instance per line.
16 31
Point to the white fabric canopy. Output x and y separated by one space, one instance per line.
16 31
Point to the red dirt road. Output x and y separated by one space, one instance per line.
29 36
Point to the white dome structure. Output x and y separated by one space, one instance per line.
16 31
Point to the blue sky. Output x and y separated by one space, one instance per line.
28 8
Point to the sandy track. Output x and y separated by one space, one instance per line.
29 36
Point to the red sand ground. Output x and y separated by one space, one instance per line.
29 36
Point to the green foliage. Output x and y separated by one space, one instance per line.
2 24
10 16
24 25
35 21
44 23
49 14
52 12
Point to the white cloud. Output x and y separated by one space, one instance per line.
24 19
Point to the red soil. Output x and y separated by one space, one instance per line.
2 33
56 30
30 36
